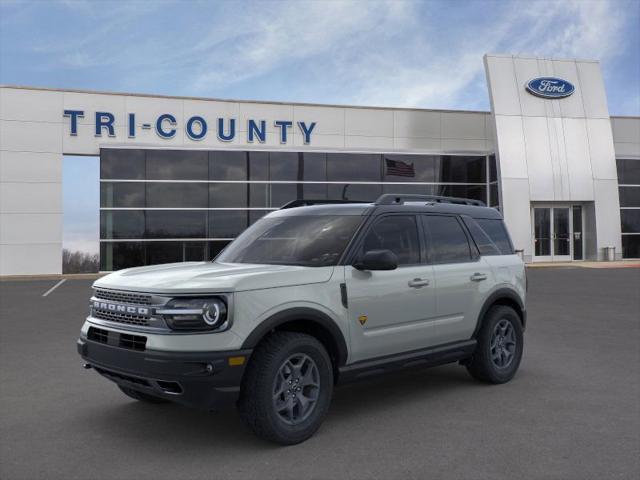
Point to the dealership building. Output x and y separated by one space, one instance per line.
181 177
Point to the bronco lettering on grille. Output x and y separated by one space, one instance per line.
117 308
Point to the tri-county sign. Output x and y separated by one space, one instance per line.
196 127
550 87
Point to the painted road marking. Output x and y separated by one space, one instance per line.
54 287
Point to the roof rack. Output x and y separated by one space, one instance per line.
399 199
306 203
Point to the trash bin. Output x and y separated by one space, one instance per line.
610 253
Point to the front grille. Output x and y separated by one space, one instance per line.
122 340
123 297
98 335
128 318
133 342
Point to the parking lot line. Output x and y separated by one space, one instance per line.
54 287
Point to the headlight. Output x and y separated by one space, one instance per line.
195 314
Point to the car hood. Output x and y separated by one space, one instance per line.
196 277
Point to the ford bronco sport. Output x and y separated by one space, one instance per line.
310 296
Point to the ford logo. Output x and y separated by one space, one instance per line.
550 87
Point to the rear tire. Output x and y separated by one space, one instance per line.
141 396
499 349
287 388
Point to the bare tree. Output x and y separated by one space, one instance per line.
79 262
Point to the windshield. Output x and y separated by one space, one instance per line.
310 241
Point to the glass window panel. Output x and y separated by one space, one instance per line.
410 168
485 245
629 196
119 195
121 224
227 223
177 165
447 241
282 193
216 247
258 166
628 171
195 251
353 167
177 195
630 221
258 194
176 224
227 195
164 252
542 231
354 192
397 233
493 169
285 166
474 192
118 255
227 165
255 215
494 199
630 246
462 169
315 167
314 191
409 189
125 164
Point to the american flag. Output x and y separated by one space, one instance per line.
399 168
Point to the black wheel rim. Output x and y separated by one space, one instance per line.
503 344
296 389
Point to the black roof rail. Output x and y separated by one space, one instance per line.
398 199
306 203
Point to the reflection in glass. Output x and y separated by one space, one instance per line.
630 221
176 224
227 223
353 192
177 165
119 255
542 229
226 165
125 164
164 252
177 195
630 246
448 242
121 224
561 239
628 171
629 196
118 195
354 167
229 195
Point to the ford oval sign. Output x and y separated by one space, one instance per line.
550 87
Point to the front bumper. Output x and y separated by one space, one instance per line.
206 380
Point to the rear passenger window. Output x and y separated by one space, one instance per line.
484 243
497 232
397 233
447 241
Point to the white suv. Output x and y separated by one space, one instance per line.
311 296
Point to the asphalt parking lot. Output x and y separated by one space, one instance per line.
572 412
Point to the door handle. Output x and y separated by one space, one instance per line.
478 277
418 282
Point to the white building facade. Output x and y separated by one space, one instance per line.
565 174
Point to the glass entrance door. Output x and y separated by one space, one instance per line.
561 234
557 233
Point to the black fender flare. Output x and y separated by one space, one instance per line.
495 297
300 314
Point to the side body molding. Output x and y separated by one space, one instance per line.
301 314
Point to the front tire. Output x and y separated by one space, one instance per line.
141 396
499 349
287 388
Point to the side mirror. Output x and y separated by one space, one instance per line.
377 260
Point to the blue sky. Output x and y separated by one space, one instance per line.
391 53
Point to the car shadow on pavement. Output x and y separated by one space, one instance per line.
148 426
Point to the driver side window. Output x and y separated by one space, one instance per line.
398 233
